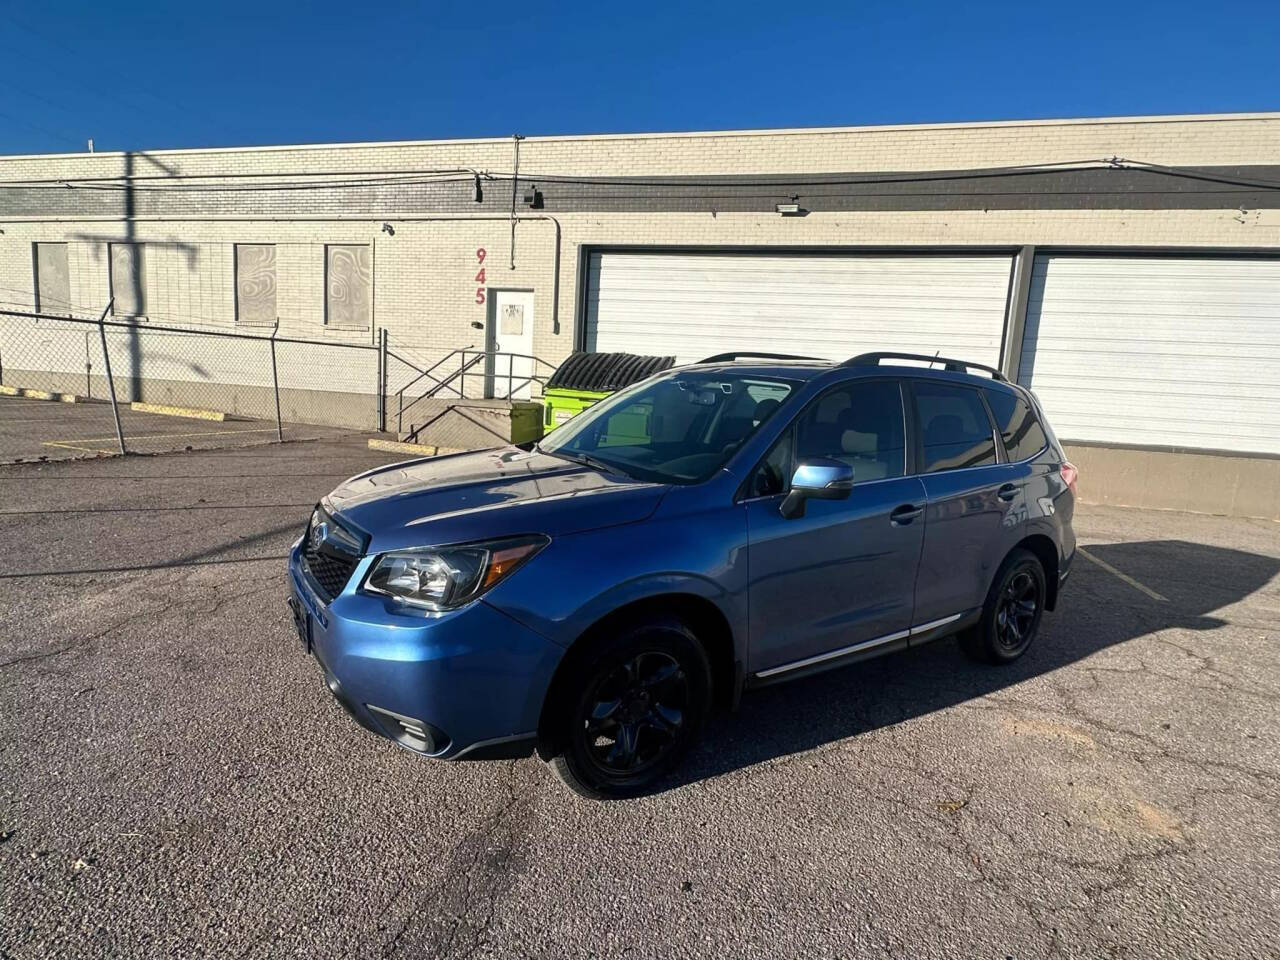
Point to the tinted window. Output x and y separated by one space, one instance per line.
955 430
861 424
1017 423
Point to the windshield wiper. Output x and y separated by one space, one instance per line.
586 460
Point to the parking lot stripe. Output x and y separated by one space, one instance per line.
1122 576
74 446
153 436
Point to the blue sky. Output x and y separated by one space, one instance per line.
140 74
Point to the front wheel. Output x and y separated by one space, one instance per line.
637 701
1011 614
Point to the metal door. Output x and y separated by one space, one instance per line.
509 343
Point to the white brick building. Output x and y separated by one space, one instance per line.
1125 268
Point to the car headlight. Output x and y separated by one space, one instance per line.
443 578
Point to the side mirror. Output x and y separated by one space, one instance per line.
818 479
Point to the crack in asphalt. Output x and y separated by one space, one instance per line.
477 874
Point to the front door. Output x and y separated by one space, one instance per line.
509 344
843 575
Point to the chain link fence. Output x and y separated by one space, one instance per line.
77 386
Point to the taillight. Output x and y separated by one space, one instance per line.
1069 475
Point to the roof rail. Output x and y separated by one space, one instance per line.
723 357
955 366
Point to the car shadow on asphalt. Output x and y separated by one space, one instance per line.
1097 610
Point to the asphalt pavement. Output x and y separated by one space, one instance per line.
176 782
34 430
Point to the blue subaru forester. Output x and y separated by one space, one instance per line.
715 527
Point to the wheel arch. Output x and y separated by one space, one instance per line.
1046 551
708 623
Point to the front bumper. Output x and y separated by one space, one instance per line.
467 682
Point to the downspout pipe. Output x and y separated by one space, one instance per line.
515 187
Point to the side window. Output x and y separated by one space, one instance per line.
954 427
1017 423
859 423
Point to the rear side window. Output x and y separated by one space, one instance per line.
955 431
1017 423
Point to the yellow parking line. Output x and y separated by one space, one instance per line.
128 437
72 446
1122 576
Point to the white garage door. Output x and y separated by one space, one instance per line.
1170 351
820 305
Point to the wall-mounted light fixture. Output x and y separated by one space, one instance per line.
792 209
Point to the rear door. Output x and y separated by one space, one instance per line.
975 511
842 576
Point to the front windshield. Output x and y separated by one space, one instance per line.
678 427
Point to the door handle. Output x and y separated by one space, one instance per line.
1007 492
905 514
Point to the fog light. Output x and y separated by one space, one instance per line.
417 735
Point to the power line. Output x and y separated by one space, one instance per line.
81 56
35 126
366 179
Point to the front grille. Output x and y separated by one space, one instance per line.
329 572
329 566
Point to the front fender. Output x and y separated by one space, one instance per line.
651 586
581 578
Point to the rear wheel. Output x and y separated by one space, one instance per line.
1011 614
636 702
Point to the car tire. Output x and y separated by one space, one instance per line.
636 700
1012 611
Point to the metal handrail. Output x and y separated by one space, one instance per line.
400 405
514 381
439 385
427 372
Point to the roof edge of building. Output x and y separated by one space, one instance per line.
668 135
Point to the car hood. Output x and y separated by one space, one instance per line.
488 493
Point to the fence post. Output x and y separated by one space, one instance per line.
382 379
106 359
88 368
275 381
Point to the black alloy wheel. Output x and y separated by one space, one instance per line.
636 713
1019 605
1012 612
635 701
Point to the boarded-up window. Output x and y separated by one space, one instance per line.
256 282
348 285
53 282
128 280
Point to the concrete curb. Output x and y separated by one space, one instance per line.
167 411
33 394
395 446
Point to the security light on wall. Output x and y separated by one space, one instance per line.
790 209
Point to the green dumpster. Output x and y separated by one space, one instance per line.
587 378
